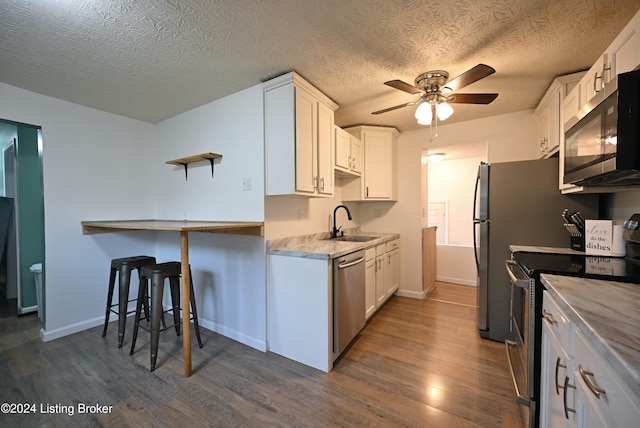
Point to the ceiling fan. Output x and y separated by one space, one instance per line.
437 91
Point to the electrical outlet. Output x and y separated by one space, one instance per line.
299 215
246 183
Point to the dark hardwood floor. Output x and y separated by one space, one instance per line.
416 364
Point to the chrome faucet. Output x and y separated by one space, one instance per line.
334 232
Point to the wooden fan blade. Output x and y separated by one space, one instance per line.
394 107
472 98
403 86
474 74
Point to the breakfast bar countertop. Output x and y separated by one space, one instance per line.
318 246
234 227
607 313
183 227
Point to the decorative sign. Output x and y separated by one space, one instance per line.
598 235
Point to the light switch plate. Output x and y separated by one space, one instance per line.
246 183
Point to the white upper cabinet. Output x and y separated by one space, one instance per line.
298 138
594 80
550 115
306 141
547 115
378 181
624 52
325 150
348 151
621 56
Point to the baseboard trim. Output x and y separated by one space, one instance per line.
460 281
412 294
252 342
48 335
27 309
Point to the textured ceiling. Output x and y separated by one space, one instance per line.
152 60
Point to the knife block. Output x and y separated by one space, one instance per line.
577 237
577 243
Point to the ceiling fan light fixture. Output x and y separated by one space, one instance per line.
424 114
444 111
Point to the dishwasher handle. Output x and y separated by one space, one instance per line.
349 264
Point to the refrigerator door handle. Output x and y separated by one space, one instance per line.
475 245
475 197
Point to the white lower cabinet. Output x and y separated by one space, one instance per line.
382 274
300 311
602 397
370 281
556 379
578 388
392 269
381 290
557 387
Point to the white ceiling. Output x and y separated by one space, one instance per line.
152 60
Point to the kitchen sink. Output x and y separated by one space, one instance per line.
352 238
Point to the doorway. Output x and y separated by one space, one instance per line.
22 183
448 193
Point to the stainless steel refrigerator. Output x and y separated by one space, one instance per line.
516 203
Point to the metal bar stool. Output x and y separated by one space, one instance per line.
123 267
158 273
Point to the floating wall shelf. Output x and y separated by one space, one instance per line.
196 158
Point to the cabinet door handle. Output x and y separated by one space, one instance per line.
595 79
566 387
608 70
548 317
558 365
594 389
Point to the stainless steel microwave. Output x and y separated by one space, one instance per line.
602 141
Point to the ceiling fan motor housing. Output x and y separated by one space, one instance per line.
432 81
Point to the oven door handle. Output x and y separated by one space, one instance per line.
521 399
517 276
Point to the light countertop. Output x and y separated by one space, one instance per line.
316 246
536 249
607 313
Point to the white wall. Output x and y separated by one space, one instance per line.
454 181
232 127
316 214
89 157
624 204
228 270
511 136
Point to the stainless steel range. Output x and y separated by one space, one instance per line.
524 270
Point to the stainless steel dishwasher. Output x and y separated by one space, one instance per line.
348 299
